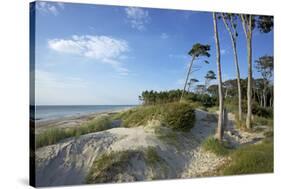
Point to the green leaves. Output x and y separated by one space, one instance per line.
265 23
199 49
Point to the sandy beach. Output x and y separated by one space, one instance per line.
71 121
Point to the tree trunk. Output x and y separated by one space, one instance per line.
238 80
187 77
220 118
233 42
250 73
189 85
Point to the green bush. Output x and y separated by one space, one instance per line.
256 158
262 111
180 116
205 100
263 121
213 145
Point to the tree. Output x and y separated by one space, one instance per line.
264 65
191 82
230 22
221 106
208 78
200 89
213 90
265 25
198 50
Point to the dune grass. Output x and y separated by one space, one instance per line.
54 135
108 167
256 158
212 144
178 116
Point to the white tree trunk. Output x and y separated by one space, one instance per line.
233 42
220 118
187 77
249 89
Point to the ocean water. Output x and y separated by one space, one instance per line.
43 113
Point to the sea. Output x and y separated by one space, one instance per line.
52 112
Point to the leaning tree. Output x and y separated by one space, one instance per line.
197 51
208 78
192 82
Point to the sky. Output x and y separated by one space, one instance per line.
89 54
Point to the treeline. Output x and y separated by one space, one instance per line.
162 97
207 96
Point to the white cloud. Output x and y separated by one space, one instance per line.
49 7
105 49
137 17
164 36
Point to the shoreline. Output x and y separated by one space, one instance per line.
72 120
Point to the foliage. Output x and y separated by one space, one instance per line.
204 99
264 65
213 145
200 50
154 97
266 112
265 23
262 121
54 135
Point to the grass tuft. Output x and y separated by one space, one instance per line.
213 145
178 116
256 158
110 167
54 135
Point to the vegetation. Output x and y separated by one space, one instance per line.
264 65
265 25
213 145
197 50
256 158
54 135
230 22
193 99
178 116
108 167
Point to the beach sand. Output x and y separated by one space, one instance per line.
71 121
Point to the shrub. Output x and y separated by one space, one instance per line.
204 99
262 111
263 121
256 158
178 116
213 145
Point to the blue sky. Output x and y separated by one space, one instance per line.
93 54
